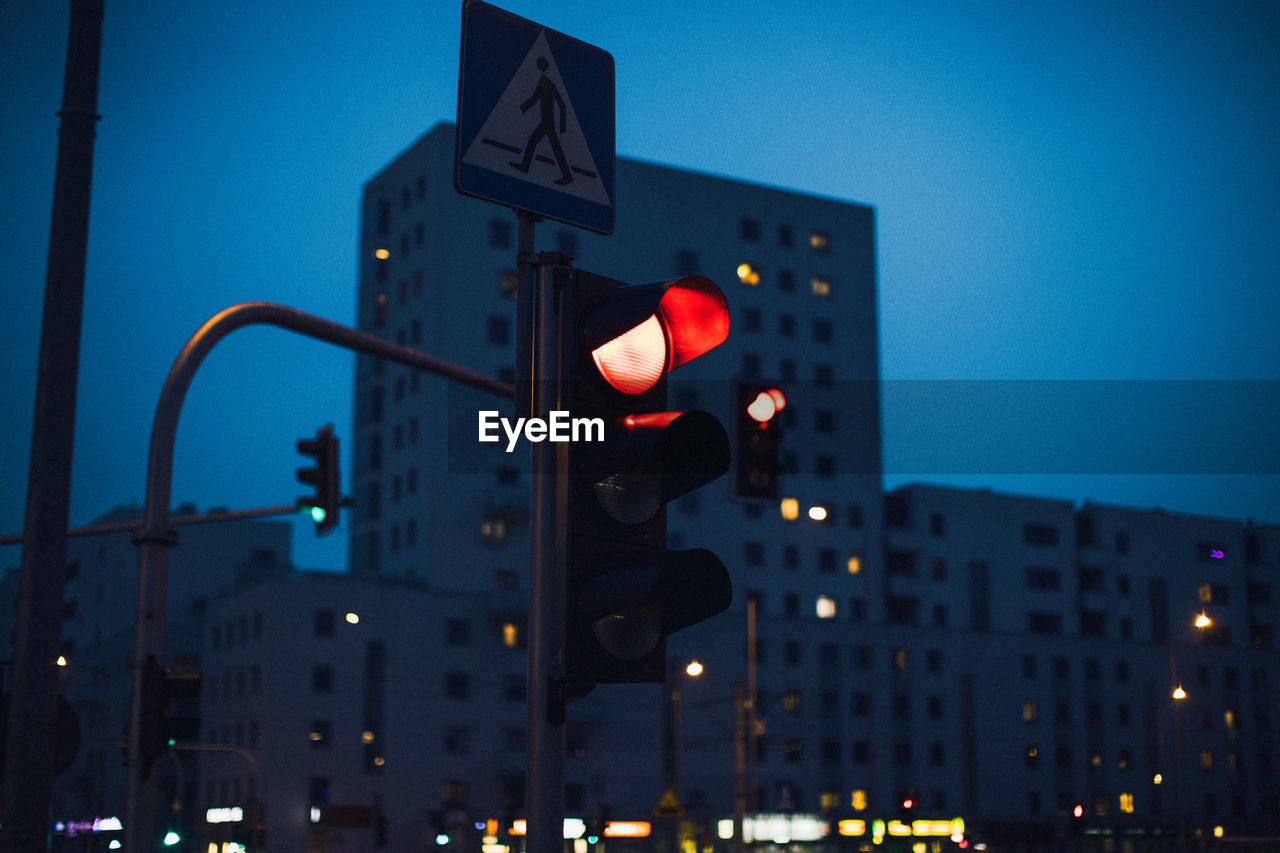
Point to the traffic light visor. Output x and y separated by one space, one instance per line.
643 597
653 328
655 459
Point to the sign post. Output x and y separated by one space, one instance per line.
535 132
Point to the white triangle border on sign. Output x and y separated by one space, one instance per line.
505 133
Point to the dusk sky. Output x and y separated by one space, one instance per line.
1064 191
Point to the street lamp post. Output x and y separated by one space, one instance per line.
1177 694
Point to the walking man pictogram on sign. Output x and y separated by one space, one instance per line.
546 95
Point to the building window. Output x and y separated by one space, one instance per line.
1040 535
820 241
498 330
787 326
753 553
322 678
508 283
820 286
822 331
1044 579
499 234
1041 622
457 632
457 685
325 622
786 236
751 319
457 740
493 532
320 734
749 230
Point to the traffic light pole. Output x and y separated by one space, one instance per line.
538 369
154 537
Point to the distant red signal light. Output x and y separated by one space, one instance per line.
766 405
1078 811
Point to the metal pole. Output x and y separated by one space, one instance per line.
739 767
544 780
154 538
28 769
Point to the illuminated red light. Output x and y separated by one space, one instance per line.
651 419
908 803
690 319
766 405
634 361
1078 811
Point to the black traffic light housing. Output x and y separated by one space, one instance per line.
160 728
625 591
757 428
323 477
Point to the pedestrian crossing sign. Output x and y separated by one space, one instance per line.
535 119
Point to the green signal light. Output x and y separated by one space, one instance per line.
318 514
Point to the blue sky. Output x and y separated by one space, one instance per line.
1064 191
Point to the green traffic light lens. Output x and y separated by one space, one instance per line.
318 514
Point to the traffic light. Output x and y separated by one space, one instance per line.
324 504
757 431
626 591
160 727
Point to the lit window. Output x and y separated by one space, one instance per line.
510 635
1126 803
1206 760
829 801
791 701
818 513
819 242
1030 711
508 283
790 508
821 286
494 532
826 607
381 254
859 800
353 618
854 564
747 274
901 659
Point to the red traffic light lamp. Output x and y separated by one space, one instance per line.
758 437
625 591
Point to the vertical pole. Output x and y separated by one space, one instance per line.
538 369
752 724
739 767
28 770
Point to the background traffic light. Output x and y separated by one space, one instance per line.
160 726
626 592
323 476
757 428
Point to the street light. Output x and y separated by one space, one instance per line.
1201 622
